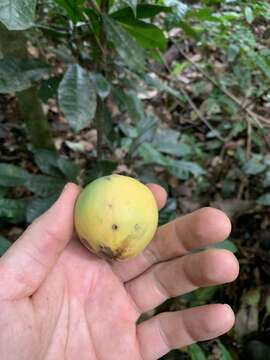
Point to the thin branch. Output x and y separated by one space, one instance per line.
255 117
249 137
192 104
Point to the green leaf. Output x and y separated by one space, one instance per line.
203 14
71 7
264 199
126 47
249 14
129 130
146 129
42 185
179 8
168 213
51 163
3 190
195 352
48 88
148 35
68 168
233 51
37 206
152 156
144 11
200 296
94 19
167 141
267 304
17 14
226 244
254 166
47 160
132 4
103 87
134 106
162 86
4 245
77 97
189 30
183 169
19 74
11 175
119 97
225 355
13 209
101 168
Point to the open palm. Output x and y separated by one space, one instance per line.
59 301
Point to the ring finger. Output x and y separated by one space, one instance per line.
180 276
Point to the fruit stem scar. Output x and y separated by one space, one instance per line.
114 226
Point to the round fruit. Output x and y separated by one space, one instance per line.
116 216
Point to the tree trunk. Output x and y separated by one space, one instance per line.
13 44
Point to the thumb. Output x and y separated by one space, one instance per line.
26 264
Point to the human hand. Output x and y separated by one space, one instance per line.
59 301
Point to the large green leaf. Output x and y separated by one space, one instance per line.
132 4
53 164
146 129
37 206
135 107
42 185
3 191
101 168
148 35
77 97
48 88
71 7
47 160
103 87
11 175
127 48
19 74
144 11
151 156
167 142
13 209
4 245
17 14
68 168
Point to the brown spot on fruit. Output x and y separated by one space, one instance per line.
118 254
114 226
86 244
137 227
105 252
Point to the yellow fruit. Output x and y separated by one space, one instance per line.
116 216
